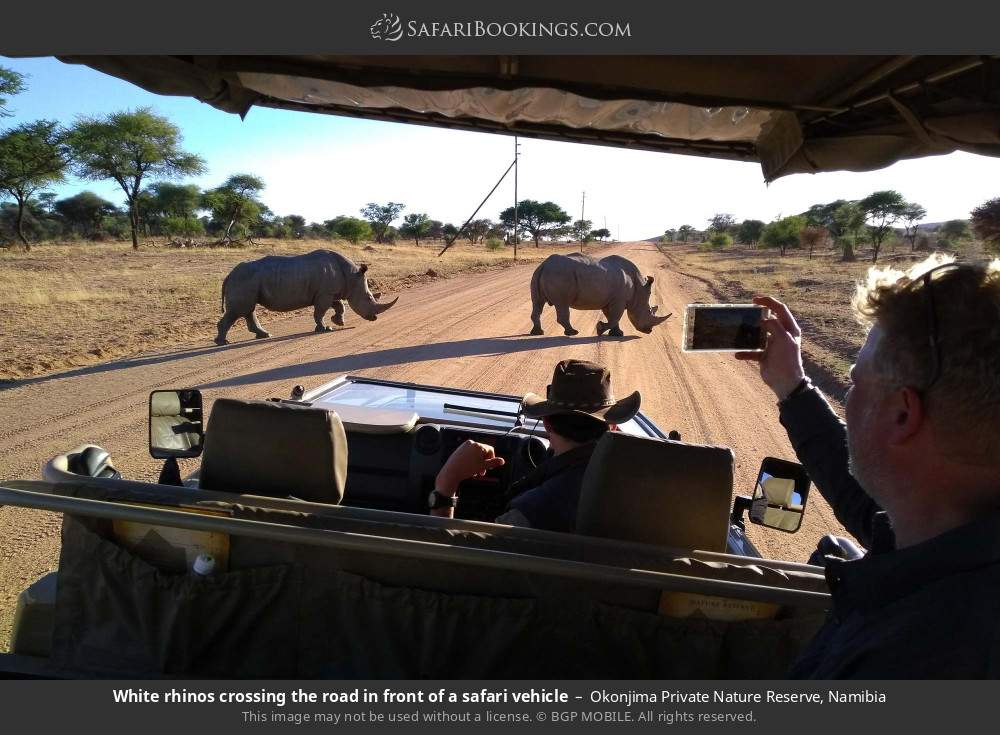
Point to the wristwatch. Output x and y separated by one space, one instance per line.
439 500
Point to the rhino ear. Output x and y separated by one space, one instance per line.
363 268
649 282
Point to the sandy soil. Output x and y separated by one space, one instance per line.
468 331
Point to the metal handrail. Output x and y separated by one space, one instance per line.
411 549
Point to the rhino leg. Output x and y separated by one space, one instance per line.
562 316
254 326
613 314
537 305
224 325
338 313
318 313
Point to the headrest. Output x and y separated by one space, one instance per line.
274 449
778 490
165 403
657 492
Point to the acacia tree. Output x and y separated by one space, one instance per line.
722 222
11 82
849 219
477 229
581 229
131 147
32 156
171 209
783 233
351 229
415 226
236 205
537 218
381 216
683 232
749 231
85 212
882 210
602 234
986 222
911 216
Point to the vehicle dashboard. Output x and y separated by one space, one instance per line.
397 471
395 468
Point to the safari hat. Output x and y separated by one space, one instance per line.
583 388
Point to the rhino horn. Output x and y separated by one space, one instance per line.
379 308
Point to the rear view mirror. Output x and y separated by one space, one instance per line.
176 428
779 496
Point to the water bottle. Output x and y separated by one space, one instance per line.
204 565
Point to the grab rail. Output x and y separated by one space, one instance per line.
408 548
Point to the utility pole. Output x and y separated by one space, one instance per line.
583 203
517 148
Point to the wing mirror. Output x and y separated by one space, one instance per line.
779 496
176 426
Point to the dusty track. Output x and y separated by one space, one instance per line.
468 331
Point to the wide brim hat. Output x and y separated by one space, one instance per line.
583 388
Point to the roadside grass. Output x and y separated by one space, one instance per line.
68 304
817 290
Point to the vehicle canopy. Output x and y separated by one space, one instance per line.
792 114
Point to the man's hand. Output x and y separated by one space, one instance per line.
471 459
781 361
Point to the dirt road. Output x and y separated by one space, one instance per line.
469 331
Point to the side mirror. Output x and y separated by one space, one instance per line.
779 496
176 426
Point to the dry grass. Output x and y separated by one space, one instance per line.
817 291
66 305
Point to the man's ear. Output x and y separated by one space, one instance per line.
907 415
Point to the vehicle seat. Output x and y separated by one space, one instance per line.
275 449
655 491
164 417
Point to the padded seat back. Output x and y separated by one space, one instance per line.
658 492
275 449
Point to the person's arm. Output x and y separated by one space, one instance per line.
819 439
818 436
471 459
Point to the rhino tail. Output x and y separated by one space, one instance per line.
223 299
536 287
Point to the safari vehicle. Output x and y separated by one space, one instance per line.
313 508
311 513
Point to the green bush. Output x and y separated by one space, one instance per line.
494 243
720 240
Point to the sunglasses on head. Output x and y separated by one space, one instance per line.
932 322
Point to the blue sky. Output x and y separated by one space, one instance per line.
320 166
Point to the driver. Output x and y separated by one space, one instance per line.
578 409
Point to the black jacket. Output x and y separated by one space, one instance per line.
929 611
552 501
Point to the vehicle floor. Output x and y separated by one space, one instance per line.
469 331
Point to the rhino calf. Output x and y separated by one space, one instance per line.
322 279
612 284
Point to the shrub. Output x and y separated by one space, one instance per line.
720 240
494 243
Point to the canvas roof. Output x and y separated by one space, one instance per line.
792 114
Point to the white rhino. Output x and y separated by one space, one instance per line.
321 279
612 284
